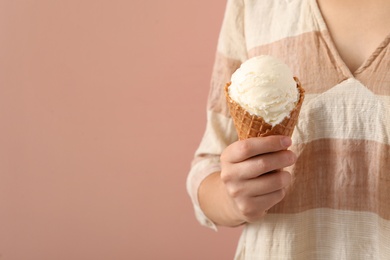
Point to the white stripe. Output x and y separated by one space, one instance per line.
294 18
220 132
257 26
347 111
317 234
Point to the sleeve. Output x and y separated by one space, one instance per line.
220 131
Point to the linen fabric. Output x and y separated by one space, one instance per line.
338 204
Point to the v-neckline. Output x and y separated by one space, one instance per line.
340 63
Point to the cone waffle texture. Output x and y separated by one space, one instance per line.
248 125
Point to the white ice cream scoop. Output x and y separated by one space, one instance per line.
264 86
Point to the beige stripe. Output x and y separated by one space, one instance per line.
311 63
340 174
318 73
317 68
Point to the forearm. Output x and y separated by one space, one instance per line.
215 202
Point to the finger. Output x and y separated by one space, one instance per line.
256 207
244 149
268 183
262 164
262 185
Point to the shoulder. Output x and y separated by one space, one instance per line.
268 21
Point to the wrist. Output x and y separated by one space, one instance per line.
232 214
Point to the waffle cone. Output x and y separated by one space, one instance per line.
248 125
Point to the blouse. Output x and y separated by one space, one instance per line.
338 206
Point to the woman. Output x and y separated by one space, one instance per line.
326 197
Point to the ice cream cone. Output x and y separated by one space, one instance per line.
248 125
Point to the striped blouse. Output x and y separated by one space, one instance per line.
338 206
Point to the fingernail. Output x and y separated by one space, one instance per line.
285 141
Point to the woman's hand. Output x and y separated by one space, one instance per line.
253 175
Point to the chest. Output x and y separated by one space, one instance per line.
357 28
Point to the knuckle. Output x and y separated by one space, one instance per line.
226 177
234 191
291 157
250 213
244 147
223 157
279 181
283 193
262 164
280 194
282 180
246 210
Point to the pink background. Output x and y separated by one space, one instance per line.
102 105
